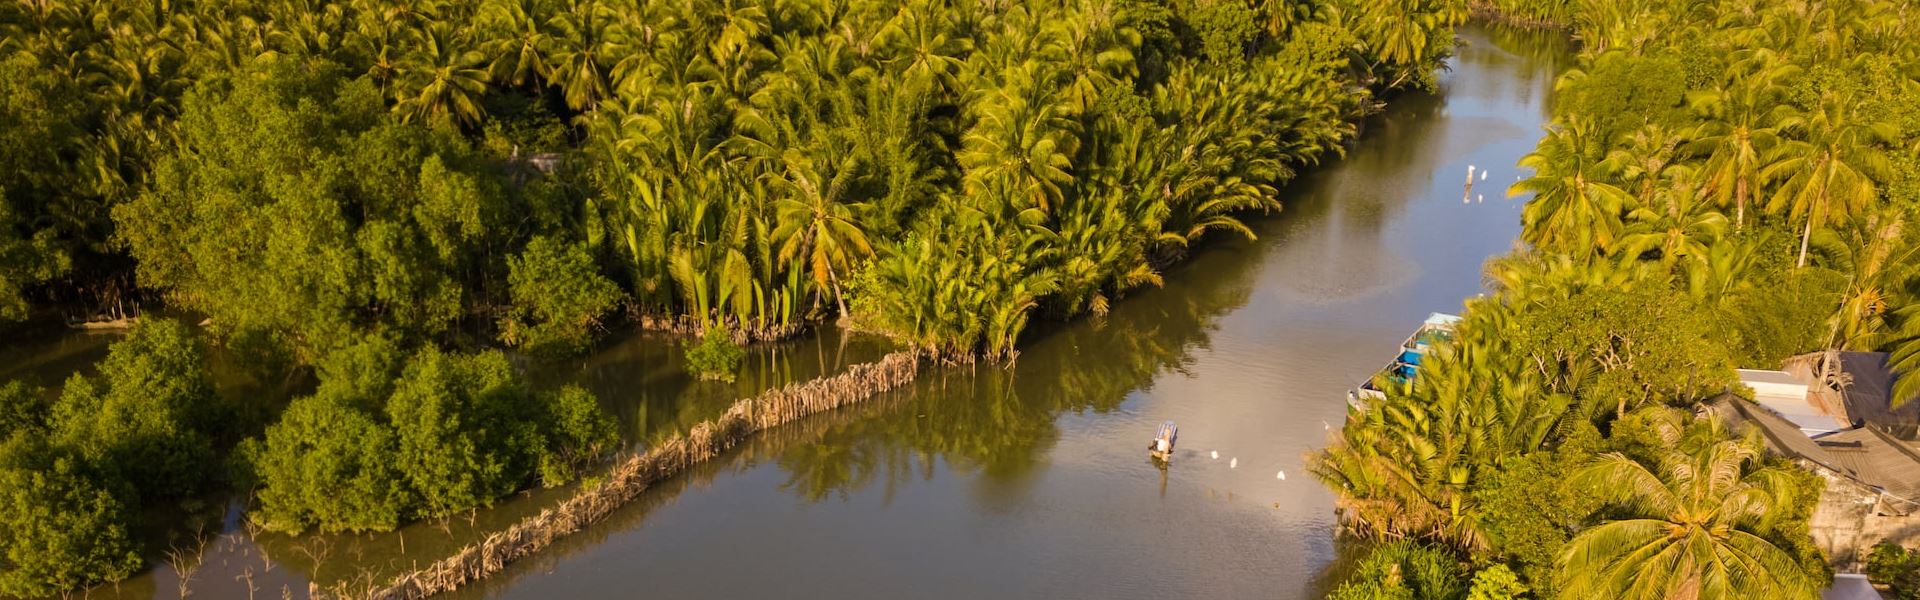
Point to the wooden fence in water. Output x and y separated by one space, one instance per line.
634 475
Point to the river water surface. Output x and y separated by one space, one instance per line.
1034 482
1030 482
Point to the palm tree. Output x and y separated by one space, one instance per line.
1830 175
518 40
1904 353
1574 208
1402 33
813 222
579 65
1691 528
1879 257
1742 127
1021 147
1404 466
920 35
1677 222
440 79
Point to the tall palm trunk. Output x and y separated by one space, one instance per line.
839 299
1740 203
1804 236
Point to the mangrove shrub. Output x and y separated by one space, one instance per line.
388 438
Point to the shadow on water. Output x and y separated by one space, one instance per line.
1033 474
1031 481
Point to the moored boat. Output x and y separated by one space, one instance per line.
1437 328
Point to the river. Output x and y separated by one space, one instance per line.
1033 482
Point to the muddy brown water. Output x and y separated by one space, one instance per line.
1033 482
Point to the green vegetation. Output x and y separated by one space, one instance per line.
333 172
76 470
389 438
455 174
1895 567
559 297
1725 184
715 356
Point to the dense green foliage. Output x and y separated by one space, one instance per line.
389 438
304 174
715 356
1404 570
434 173
1895 567
74 471
1725 184
558 295
296 207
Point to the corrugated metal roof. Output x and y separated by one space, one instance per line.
1863 454
1786 395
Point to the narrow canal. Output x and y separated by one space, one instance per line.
1030 482
1034 482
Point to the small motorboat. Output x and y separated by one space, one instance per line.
1162 445
1438 328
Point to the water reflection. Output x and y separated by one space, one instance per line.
1035 475
1033 482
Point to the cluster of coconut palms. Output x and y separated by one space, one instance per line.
937 170
1725 184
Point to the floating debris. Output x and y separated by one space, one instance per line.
1234 464
1216 454
1282 476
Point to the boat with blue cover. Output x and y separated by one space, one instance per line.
1405 367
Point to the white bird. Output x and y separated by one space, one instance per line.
1480 199
1234 464
1282 476
1216 455
1483 175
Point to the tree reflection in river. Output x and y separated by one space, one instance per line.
996 422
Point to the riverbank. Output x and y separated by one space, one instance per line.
635 475
1036 470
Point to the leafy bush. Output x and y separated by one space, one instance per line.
1403 570
715 357
148 415
1496 583
558 296
1895 567
577 432
60 527
383 441
22 407
330 465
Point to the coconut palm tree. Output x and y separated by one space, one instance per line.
518 40
1879 255
1690 526
1830 175
1740 130
1677 221
1021 146
441 78
815 224
1574 208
